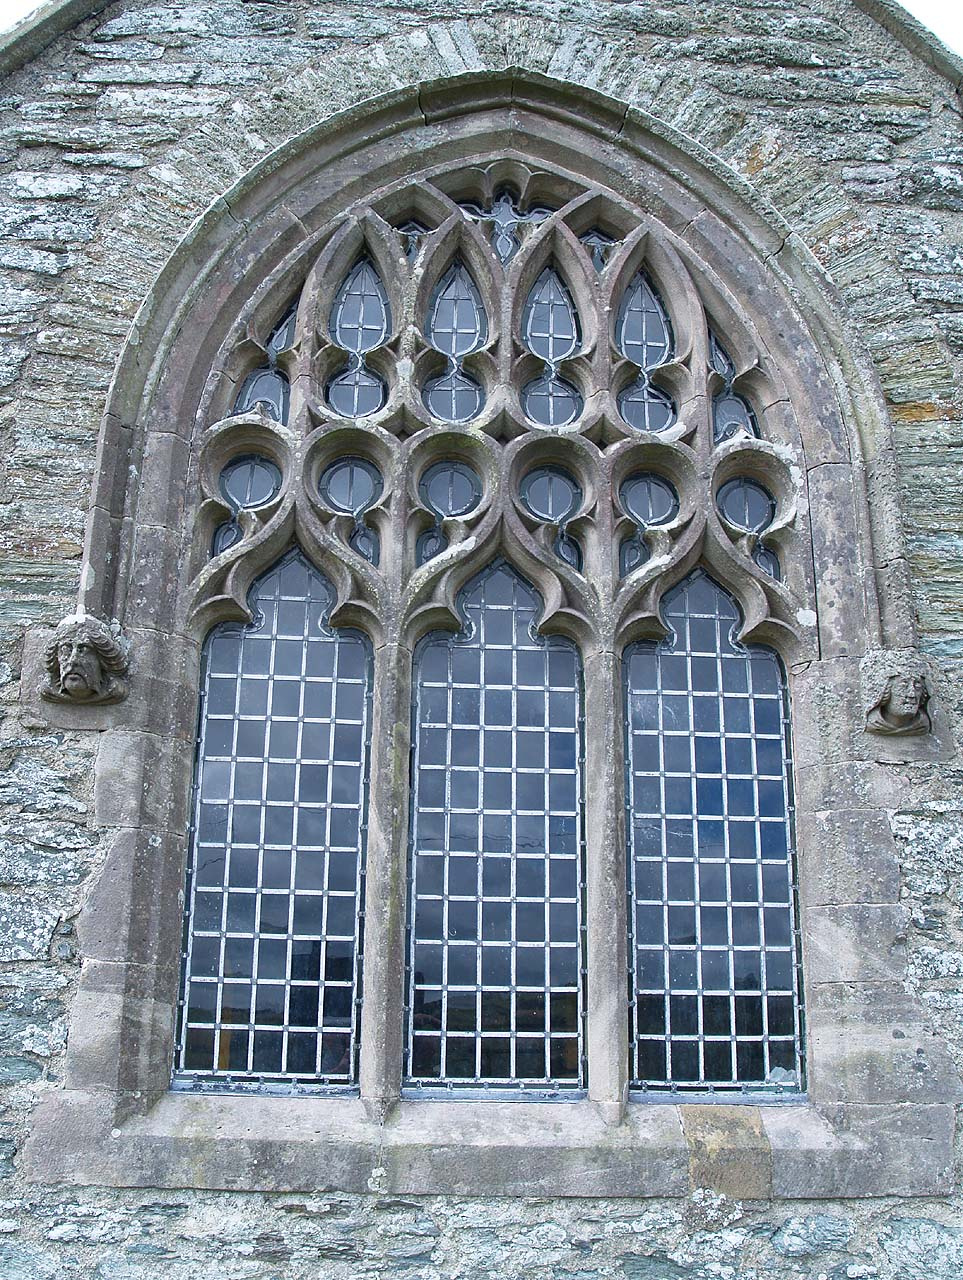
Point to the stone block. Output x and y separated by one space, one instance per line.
855 1151
112 467
857 785
522 1150
728 1150
867 1043
142 780
133 909
855 943
121 1037
163 491
154 579
846 856
827 717
842 611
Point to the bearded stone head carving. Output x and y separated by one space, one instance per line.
900 710
87 663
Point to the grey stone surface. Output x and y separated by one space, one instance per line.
113 140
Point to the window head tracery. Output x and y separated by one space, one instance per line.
475 315
499 395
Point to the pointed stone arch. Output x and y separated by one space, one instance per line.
226 282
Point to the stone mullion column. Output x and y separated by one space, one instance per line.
382 1010
606 926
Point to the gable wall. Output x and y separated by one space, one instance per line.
112 142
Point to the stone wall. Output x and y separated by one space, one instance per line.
112 141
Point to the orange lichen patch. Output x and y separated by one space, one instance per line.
760 155
927 411
34 546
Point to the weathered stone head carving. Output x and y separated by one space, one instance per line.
900 709
87 663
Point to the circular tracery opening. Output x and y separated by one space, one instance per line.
483 301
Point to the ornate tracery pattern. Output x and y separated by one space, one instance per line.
497 363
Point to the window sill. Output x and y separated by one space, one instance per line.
494 1148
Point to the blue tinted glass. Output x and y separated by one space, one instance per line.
550 323
643 334
272 931
267 388
361 317
731 414
645 407
551 494
550 401
746 504
455 396
457 323
350 485
505 221
250 482
599 246
649 499
494 986
356 392
450 489
710 854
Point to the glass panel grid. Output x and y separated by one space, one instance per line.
496 934
551 326
457 324
644 336
360 318
715 946
271 988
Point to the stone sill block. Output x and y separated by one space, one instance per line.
491 1148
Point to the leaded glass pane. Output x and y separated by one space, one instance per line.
269 388
599 246
649 499
505 221
361 317
645 407
550 401
455 396
711 866
768 561
272 940
350 485
412 234
360 322
731 414
457 323
450 489
643 334
246 482
250 481
746 504
550 325
551 494
356 392
496 933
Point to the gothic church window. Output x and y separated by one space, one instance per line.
511 453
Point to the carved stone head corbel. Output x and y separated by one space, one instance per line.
87 662
901 695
